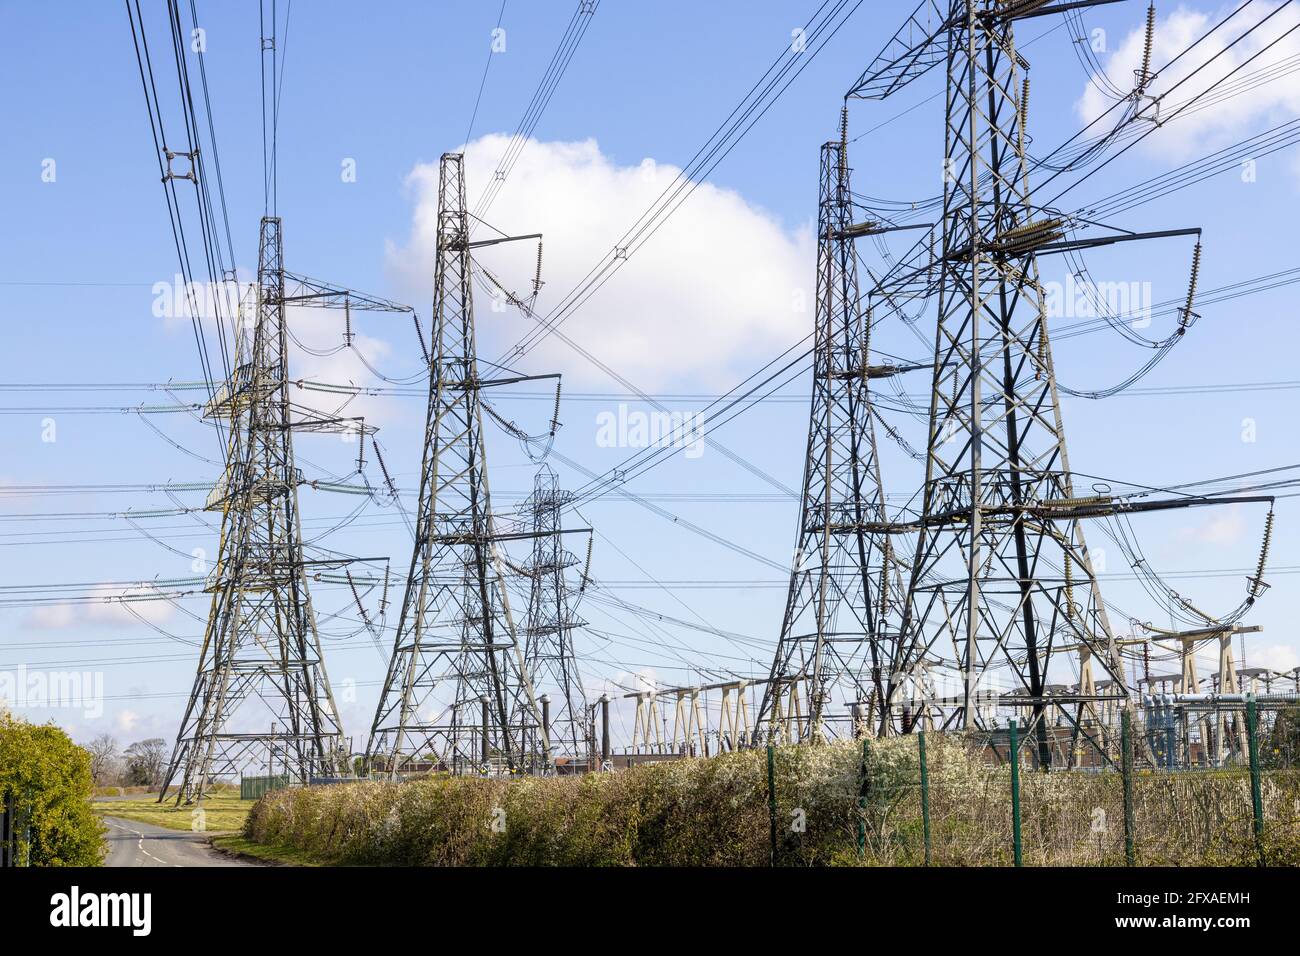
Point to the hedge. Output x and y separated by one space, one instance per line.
49 776
831 809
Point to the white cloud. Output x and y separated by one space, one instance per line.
1221 526
1277 657
115 612
52 617
1202 130
129 726
62 617
125 721
713 293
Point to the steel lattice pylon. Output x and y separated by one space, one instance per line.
457 694
1002 573
261 639
548 633
836 631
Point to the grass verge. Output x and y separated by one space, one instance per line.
221 811
238 845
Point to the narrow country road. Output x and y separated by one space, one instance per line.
143 844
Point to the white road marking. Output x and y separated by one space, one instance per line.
141 844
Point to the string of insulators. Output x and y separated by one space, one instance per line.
883 587
1144 77
844 139
1076 502
555 416
388 479
420 334
1042 337
537 276
1257 585
1188 315
347 321
866 342
1028 236
586 568
902 442
383 600
520 569
1012 9
365 618
1024 110
1069 586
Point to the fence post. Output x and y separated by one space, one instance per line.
1126 769
925 797
864 784
771 800
8 831
1015 793
1256 798
605 751
14 832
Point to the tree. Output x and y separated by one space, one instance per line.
49 777
145 762
103 759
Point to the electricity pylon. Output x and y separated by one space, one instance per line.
261 639
548 632
841 611
1002 573
457 694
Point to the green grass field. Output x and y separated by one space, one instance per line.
222 811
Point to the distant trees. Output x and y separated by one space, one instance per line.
142 764
105 760
146 760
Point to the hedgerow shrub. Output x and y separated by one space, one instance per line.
50 779
831 808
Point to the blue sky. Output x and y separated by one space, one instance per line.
391 87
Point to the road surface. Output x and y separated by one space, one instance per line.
143 844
